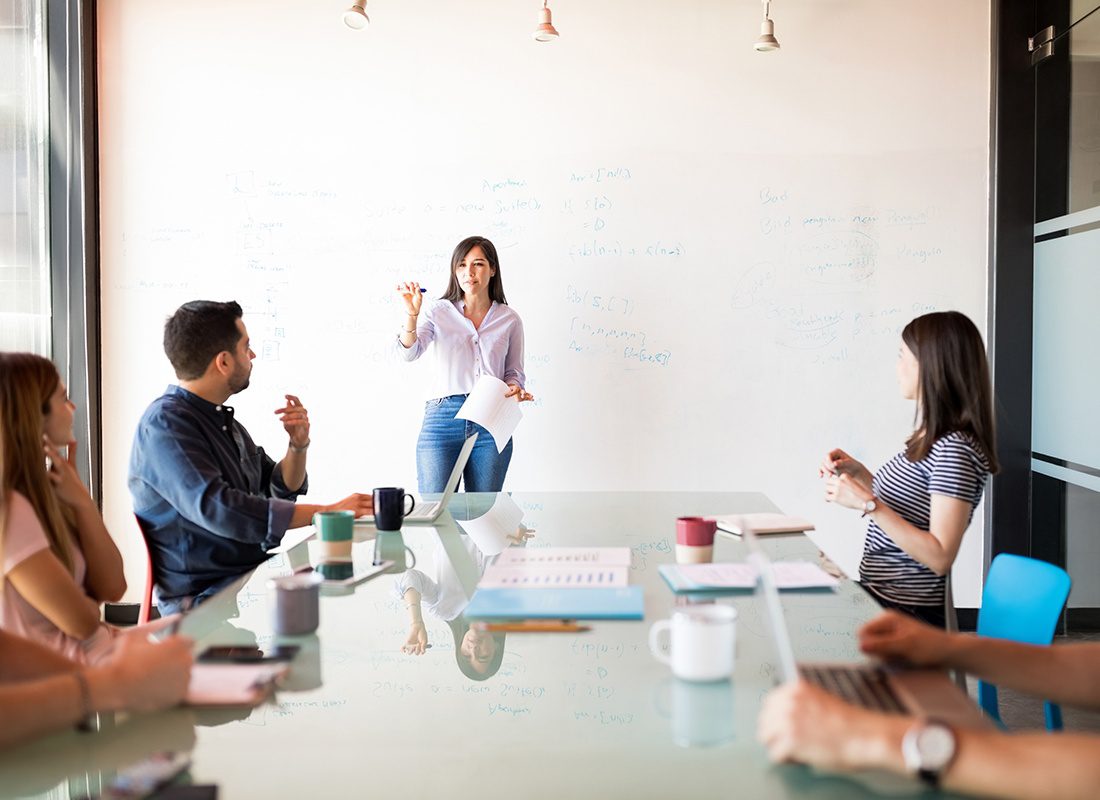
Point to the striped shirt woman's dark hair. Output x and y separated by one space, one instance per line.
954 390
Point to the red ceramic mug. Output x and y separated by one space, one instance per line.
695 540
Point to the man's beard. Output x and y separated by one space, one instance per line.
238 382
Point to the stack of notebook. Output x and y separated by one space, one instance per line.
558 583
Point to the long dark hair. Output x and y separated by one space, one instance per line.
954 391
496 285
459 625
26 383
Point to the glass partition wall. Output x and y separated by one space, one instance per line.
25 311
1066 317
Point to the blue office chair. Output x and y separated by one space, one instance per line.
1021 601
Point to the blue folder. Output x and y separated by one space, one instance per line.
506 604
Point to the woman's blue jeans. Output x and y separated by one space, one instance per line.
442 436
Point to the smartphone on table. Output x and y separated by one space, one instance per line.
247 654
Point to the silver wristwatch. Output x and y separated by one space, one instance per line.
928 749
869 506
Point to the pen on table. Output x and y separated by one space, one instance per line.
533 626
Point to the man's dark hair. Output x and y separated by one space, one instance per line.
197 332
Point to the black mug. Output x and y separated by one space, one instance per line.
389 507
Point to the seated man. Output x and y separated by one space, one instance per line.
41 691
210 502
803 723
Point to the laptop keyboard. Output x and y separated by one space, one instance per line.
424 511
863 686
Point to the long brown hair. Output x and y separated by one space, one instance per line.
954 391
496 285
27 382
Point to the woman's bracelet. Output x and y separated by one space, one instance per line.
296 449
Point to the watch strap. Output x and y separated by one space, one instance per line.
929 777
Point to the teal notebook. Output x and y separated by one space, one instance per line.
503 604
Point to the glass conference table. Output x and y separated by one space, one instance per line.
590 714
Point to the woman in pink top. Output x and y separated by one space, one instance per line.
57 561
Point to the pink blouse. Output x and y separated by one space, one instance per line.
24 538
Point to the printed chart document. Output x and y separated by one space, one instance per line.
559 568
531 577
762 523
739 575
489 408
565 556
558 582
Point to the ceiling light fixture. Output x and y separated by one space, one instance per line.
545 32
767 41
356 15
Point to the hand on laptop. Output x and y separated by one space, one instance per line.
893 636
361 504
804 723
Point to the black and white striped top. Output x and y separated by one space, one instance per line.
955 467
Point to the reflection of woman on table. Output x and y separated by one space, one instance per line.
476 333
445 595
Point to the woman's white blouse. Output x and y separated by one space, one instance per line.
463 353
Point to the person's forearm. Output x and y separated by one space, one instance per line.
412 603
989 763
303 514
408 333
104 580
293 468
22 659
994 764
1028 668
923 546
36 708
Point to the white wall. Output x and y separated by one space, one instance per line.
713 250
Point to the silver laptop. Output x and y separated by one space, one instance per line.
427 512
922 692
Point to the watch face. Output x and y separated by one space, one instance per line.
936 744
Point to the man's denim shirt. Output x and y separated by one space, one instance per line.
209 501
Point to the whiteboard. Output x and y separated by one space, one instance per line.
713 250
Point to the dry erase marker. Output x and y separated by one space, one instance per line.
423 290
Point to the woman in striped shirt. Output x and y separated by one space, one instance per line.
920 502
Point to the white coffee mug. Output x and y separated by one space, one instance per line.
701 642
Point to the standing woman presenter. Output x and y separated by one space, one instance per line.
920 502
475 333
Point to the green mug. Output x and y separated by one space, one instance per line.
334 530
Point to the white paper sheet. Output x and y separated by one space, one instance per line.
736 575
489 408
542 577
491 530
